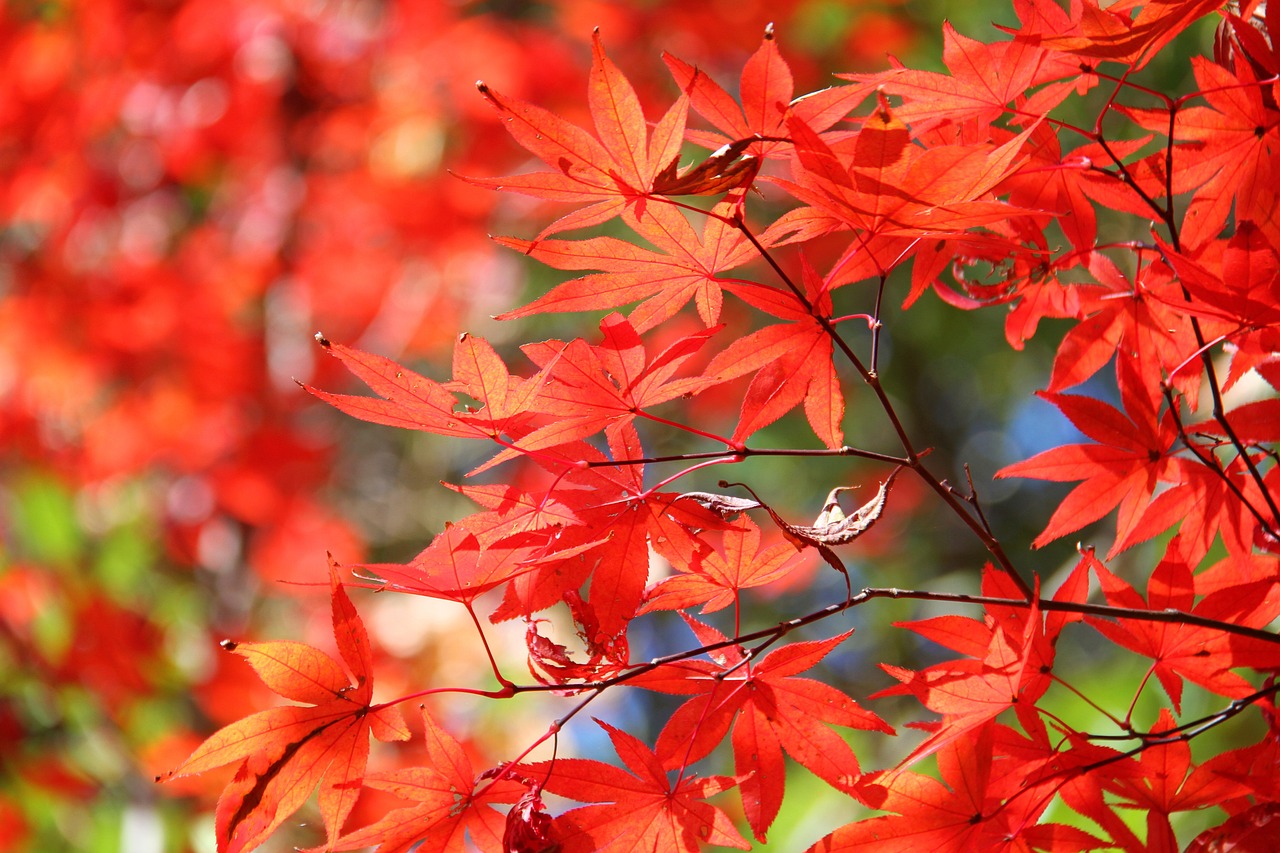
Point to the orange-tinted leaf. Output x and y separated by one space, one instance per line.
686 267
453 567
970 693
452 805
411 401
286 752
1181 651
774 710
966 810
715 580
637 808
792 363
1103 32
985 79
767 90
613 172
294 670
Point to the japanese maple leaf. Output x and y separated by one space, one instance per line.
622 523
454 567
1168 784
1050 181
791 362
506 400
1112 31
1132 455
1133 316
635 528
715 580
1253 829
771 710
686 267
590 388
411 401
1236 297
767 90
966 810
285 752
611 171
1202 503
513 511
1231 142
584 388
1190 651
452 807
984 80
637 808
1010 654
512 412
1069 183
885 185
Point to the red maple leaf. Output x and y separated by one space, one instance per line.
1183 651
579 390
1134 315
513 511
637 810
767 90
613 170
770 709
454 567
1224 149
1113 31
968 809
1069 183
411 401
791 362
609 385
985 79
452 807
1010 654
505 400
1252 831
685 267
715 580
1132 455
1169 784
1236 297
285 752
883 185
621 522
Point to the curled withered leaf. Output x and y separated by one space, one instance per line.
833 527
832 512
